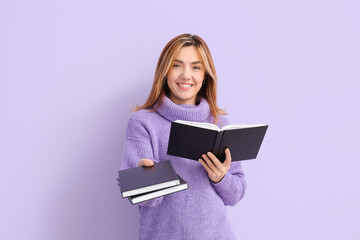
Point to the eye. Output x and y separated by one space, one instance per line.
176 65
196 68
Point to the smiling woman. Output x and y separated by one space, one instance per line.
184 88
186 76
187 53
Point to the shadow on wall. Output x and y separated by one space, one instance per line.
86 202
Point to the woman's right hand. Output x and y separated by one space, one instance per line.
145 162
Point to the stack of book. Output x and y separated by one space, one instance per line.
143 183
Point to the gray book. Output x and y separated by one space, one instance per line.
162 192
139 180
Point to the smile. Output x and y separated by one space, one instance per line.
184 86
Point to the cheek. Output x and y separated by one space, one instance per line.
170 77
200 79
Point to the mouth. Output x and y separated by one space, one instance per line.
184 86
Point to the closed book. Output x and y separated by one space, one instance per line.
192 139
138 180
158 193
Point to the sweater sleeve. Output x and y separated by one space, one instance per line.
232 187
138 146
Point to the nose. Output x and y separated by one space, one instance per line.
185 74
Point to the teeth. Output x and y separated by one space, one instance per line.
185 85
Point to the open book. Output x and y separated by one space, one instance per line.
192 139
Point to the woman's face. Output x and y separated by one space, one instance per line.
186 76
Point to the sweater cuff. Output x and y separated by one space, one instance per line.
224 185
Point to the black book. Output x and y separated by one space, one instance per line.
162 192
138 180
192 139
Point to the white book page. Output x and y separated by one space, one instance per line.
238 126
200 124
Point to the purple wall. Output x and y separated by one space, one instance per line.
70 72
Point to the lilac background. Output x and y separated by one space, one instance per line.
70 72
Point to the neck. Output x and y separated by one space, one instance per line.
181 101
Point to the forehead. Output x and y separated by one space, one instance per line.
189 54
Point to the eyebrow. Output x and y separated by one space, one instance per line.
177 60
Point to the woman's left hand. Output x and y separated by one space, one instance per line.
216 170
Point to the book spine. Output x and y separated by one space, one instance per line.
217 143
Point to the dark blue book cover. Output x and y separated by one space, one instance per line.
138 180
192 139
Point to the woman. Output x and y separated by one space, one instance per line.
184 88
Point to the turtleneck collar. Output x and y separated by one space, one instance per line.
196 113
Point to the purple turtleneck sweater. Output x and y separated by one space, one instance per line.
198 212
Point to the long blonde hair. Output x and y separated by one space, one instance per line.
166 59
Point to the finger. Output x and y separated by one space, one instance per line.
141 162
206 166
227 157
209 163
146 162
214 159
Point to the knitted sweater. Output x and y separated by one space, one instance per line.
198 212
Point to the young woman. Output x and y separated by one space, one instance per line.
184 88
